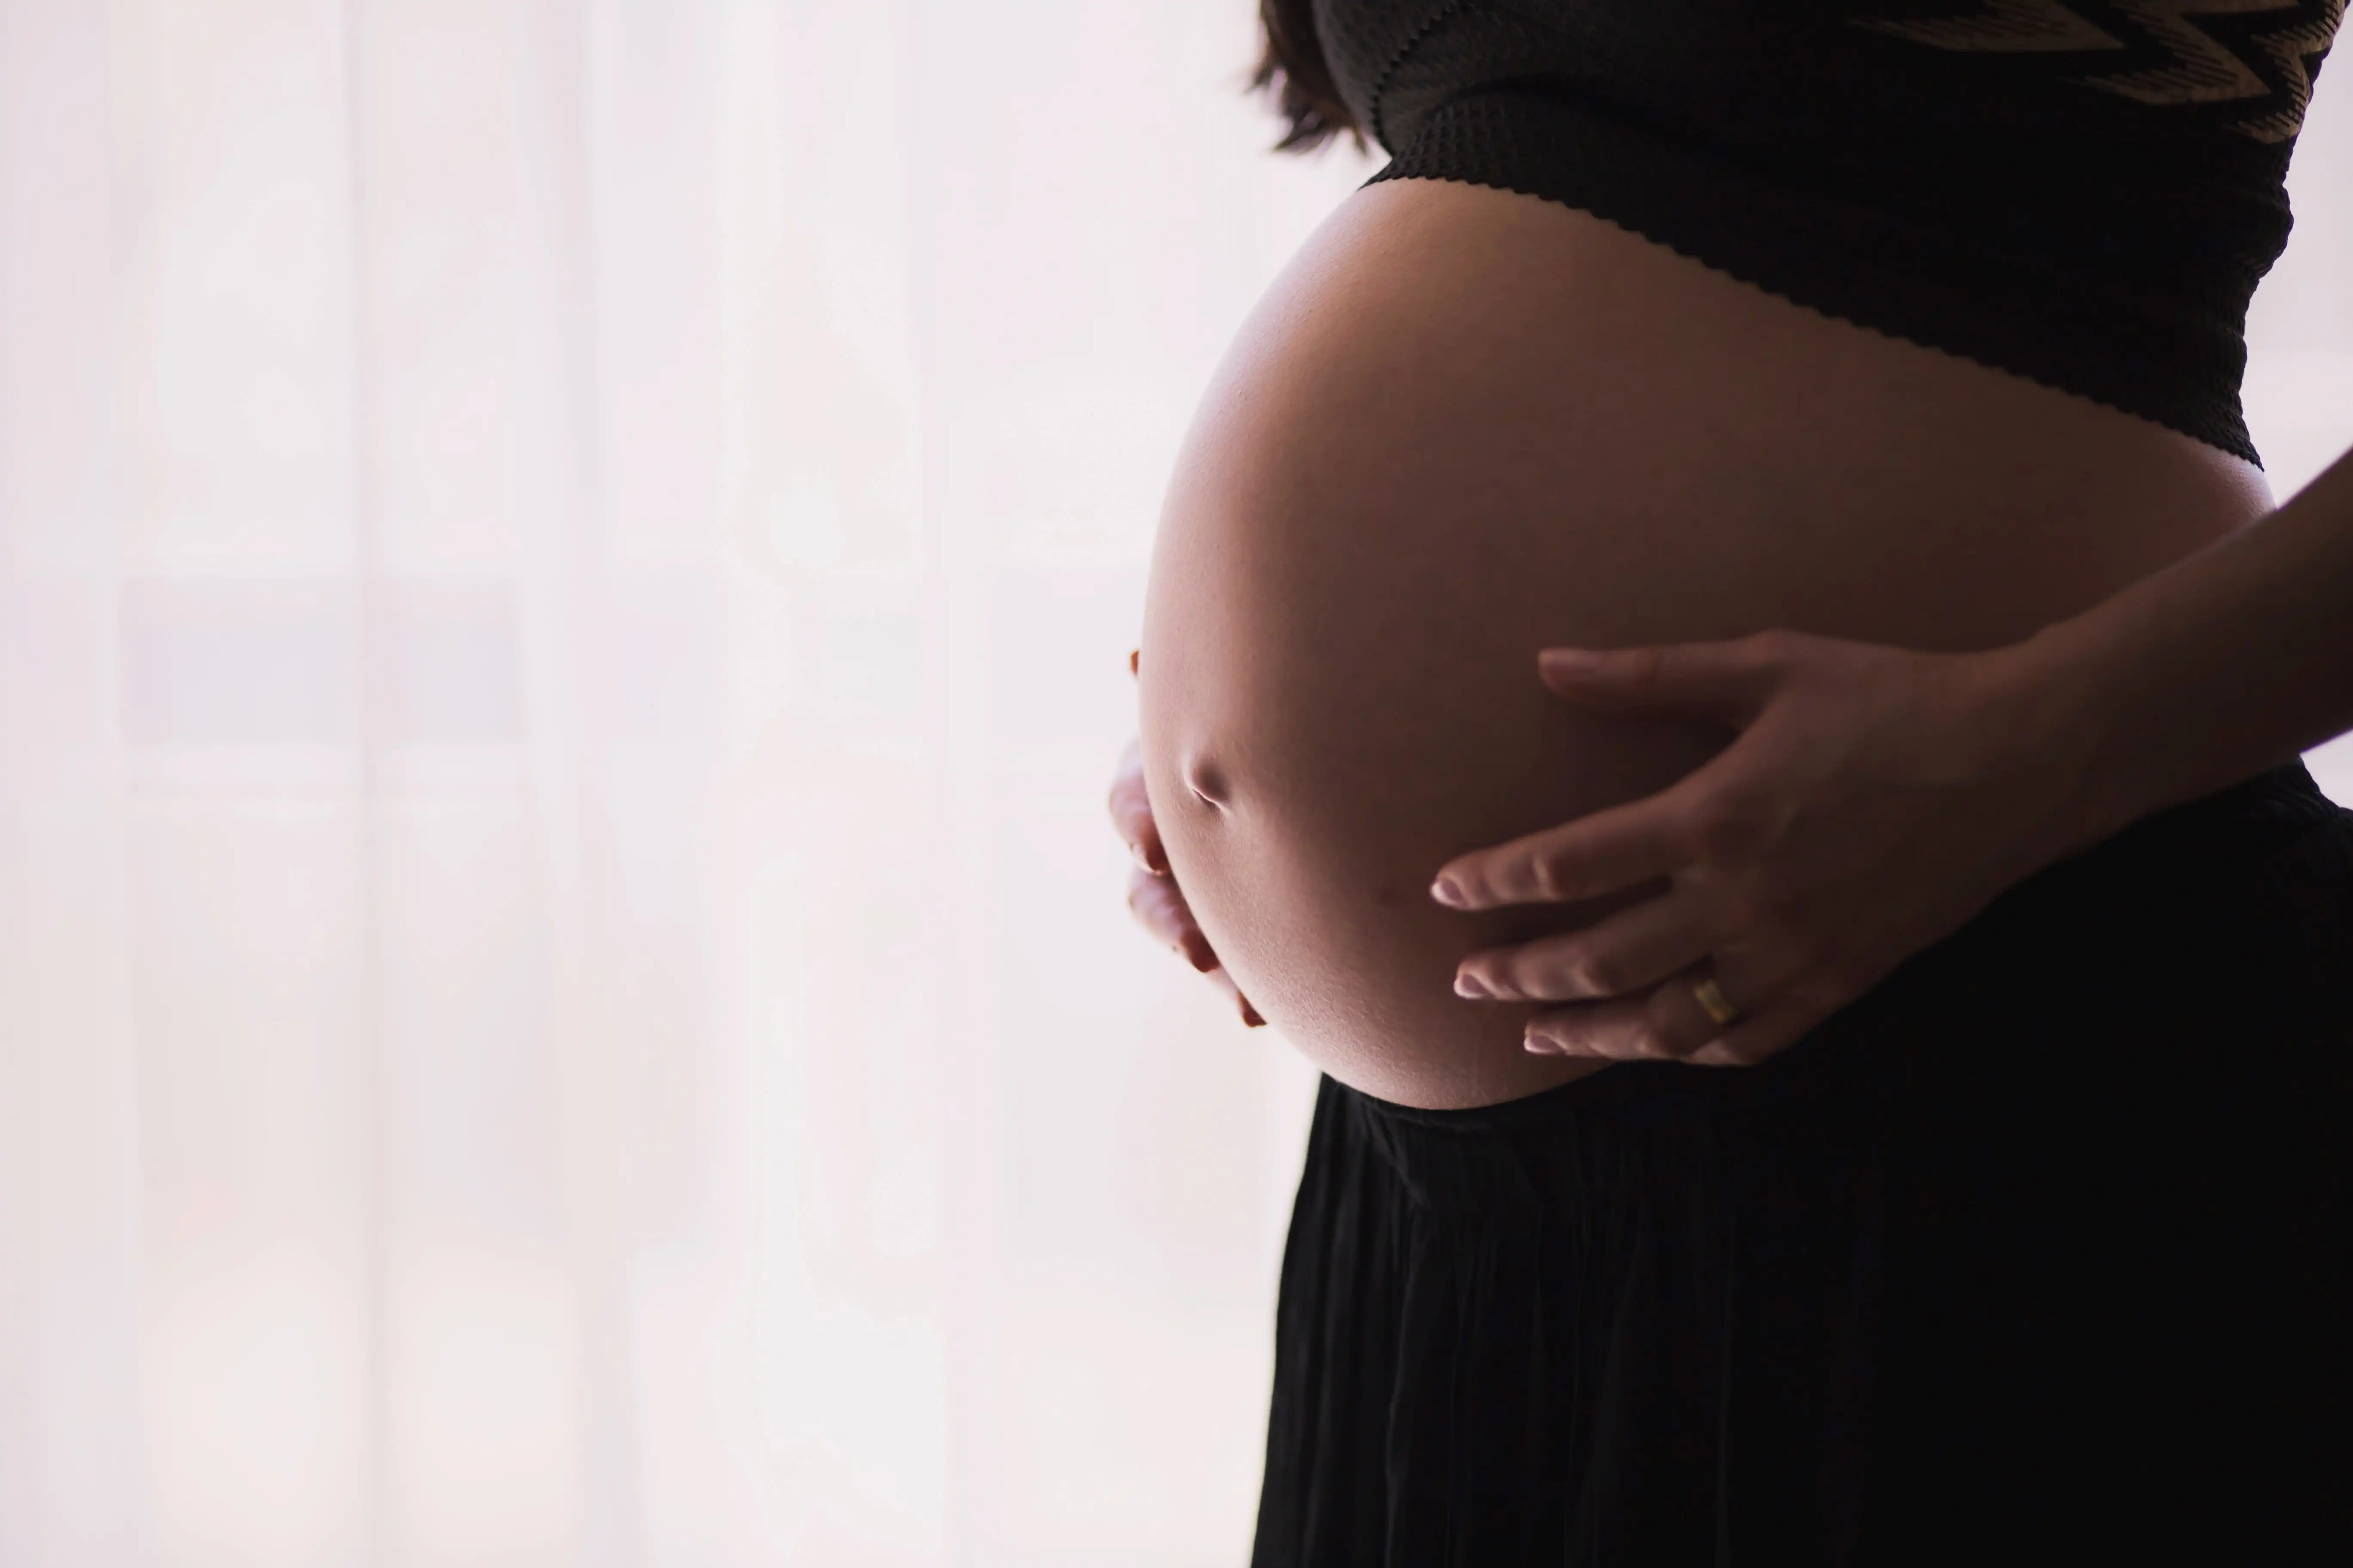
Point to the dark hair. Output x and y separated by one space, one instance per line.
1293 71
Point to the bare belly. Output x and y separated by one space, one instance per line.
1465 425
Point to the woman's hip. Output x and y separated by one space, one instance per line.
2016 1234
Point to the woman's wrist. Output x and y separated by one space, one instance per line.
2225 663
2054 699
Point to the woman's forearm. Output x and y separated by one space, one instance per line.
2227 662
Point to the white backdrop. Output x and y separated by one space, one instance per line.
566 568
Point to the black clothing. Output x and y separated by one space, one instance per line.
2038 1253
2085 193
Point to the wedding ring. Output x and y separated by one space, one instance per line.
1710 996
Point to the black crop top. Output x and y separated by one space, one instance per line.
2082 191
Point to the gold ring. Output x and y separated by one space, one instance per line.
1710 995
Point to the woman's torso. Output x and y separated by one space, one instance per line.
1465 425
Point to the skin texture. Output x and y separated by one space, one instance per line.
1464 426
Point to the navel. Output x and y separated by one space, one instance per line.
1206 777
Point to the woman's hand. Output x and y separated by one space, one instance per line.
1152 893
1875 799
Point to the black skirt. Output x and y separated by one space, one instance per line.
2036 1252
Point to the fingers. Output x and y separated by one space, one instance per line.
1665 1019
1671 1023
1156 902
1631 951
1613 1031
1665 1025
1606 852
1225 983
1152 893
1131 811
1131 807
1752 1040
1723 680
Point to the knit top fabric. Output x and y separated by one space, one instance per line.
2085 193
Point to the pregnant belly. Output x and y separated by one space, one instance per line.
1465 425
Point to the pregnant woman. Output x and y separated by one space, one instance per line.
1868 325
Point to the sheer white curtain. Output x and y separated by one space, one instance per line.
566 575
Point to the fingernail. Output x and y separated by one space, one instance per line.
1448 891
1198 952
1471 985
1538 1045
1152 858
1134 660
1251 1017
1564 658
